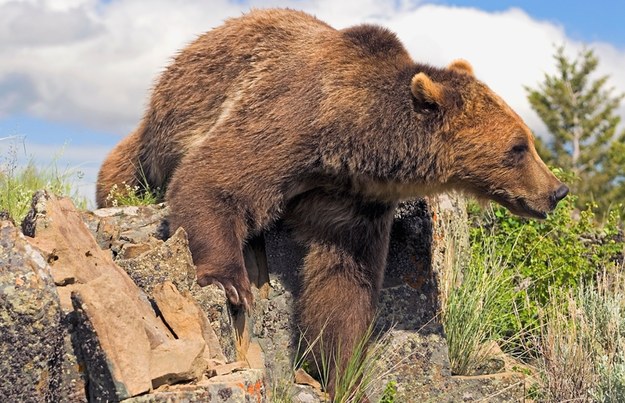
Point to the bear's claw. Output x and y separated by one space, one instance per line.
239 294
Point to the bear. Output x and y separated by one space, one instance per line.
277 115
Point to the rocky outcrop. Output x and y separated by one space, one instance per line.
115 313
128 342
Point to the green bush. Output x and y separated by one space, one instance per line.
559 253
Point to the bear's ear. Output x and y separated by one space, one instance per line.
425 90
461 66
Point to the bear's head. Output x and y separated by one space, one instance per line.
488 149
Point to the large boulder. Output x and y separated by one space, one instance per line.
31 334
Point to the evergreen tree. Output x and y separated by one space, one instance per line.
580 112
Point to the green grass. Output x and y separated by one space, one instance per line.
130 196
362 377
479 302
19 183
551 293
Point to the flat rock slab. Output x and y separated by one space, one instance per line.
31 334
240 387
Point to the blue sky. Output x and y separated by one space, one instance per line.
75 74
587 21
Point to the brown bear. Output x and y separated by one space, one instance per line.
277 114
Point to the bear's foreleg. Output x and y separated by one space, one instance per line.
217 226
343 271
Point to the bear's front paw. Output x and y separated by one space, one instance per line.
237 287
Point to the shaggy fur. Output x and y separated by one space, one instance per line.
276 112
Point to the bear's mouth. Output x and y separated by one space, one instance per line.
520 207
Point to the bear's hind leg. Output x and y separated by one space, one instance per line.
343 271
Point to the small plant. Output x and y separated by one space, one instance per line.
565 363
363 376
130 196
282 390
389 393
141 194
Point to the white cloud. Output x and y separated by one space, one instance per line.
92 63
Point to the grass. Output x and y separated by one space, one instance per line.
575 346
130 196
17 184
362 377
479 299
582 343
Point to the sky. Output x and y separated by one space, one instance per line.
75 75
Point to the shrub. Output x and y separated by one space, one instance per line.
568 248
582 342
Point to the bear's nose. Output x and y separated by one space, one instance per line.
561 193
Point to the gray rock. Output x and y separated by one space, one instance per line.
31 334
240 387
116 226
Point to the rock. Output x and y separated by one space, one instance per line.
306 394
160 262
272 323
172 261
176 361
125 346
116 226
119 349
302 378
254 356
240 387
31 334
132 235
186 319
226 369
503 387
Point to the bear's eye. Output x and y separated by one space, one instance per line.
519 149
516 154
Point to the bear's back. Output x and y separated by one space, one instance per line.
263 63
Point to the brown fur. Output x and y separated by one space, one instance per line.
276 112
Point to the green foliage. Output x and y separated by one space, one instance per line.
581 115
17 184
389 393
363 375
561 252
131 196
